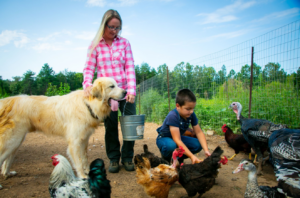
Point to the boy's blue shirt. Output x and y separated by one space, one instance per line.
174 119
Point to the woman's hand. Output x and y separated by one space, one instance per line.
130 98
87 91
195 159
207 153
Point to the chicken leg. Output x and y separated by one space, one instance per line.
254 161
232 157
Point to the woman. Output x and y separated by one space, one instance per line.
112 56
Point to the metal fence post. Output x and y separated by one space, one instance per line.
251 83
168 87
139 100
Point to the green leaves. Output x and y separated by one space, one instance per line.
62 90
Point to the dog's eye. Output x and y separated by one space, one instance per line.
113 86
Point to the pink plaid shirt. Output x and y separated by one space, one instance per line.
114 61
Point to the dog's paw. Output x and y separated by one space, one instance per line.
10 174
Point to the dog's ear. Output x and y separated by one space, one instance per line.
98 90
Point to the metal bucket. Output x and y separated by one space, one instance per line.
132 126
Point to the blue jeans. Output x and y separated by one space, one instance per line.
166 145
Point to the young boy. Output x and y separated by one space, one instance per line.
170 134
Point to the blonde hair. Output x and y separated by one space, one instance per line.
108 15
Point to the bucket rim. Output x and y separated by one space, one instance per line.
132 115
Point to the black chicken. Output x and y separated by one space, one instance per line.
199 178
284 145
63 182
236 141
255 131
154 160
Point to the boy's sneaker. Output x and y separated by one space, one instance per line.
113 167
129 166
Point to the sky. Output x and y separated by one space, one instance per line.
58 32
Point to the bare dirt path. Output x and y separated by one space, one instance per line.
33 164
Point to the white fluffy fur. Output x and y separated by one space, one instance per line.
66 116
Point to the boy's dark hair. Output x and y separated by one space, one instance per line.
185 95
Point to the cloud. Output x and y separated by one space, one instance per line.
285 13
47 46
97 3
227 35
86 35
126 2
103 3
19 39
49 37
226 13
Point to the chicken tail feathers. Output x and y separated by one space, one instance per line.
146 148
215 157
98 183
217 153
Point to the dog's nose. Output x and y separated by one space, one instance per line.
125 93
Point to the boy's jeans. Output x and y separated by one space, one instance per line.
166 145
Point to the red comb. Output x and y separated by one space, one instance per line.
223 160
180 151
224 128
54 156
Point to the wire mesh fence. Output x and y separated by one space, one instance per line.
224 77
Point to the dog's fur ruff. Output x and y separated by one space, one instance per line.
67 116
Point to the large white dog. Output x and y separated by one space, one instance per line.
72 116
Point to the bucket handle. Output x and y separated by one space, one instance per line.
124 108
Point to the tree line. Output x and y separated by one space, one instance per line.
203 78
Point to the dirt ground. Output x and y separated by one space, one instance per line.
33 165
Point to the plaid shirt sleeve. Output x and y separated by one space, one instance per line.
129 69
89 69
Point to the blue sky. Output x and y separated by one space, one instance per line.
58 32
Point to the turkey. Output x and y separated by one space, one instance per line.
255 131
64 184
284 146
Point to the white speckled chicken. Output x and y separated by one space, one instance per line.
64 183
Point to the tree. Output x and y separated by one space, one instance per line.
231 74
144 72
1 86
272 72
16 86
45 77
78 80
221 75
28 82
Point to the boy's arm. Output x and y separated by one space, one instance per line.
201 137
177 139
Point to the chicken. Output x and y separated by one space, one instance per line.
284 146
190 132
154 160
199 178
156 181
256 132
63 182
252 189
236 141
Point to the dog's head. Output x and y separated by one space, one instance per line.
105 88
